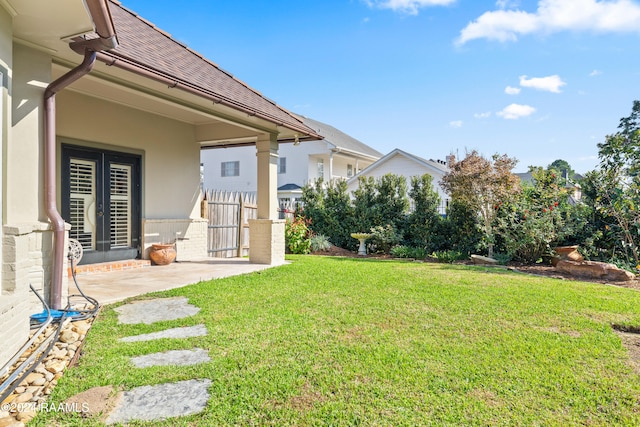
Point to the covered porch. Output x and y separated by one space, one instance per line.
113 286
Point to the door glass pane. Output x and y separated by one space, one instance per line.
120 205
82 179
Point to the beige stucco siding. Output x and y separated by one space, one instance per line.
25 180
14 301
170 155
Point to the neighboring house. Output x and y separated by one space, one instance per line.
338 155
399 162
108 152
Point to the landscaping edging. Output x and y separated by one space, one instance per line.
31 395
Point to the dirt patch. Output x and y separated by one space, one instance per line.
550 271
306 400
95 402
631 341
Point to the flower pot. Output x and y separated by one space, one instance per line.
569 253
162 254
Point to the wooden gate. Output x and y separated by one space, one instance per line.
228 214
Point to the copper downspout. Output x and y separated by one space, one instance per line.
50 171
106 39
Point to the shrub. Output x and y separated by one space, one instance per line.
383 238
402 251
449 256
320 242
296 235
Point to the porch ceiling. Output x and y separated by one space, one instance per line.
212 128
46 24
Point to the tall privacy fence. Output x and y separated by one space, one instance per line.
228 214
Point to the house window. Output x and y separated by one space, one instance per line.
349 171
320 168
230 169
282 165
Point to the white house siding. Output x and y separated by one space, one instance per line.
165 145
404 166
212 160
302 165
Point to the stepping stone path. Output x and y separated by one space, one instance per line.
186 332
155 310
168 400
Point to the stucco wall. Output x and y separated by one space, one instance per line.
170 162
14 323
170 155
24 167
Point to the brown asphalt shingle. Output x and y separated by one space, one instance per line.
143 43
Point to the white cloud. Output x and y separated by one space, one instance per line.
407 6
455 124
507 4
595 73
515 111
484 115
548 84
510 90
554 16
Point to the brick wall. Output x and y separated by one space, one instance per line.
266 241
27 260
190 236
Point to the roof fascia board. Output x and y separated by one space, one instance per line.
354 153
6 4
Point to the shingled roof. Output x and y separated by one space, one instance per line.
143 45
340 139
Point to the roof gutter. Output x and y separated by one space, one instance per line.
126 64
106 40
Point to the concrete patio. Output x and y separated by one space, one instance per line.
114 286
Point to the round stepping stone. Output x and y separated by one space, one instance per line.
149 403
185 332
155 310
173 357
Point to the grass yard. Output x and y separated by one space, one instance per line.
336 341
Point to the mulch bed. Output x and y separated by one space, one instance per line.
536 269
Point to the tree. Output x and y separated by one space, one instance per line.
424 218
562 167
483 185
618 182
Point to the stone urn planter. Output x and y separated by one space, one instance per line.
162 253
362 250
569 253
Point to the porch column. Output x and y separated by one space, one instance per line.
266 234
330 166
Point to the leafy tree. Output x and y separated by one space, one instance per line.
460 231
364 204
328 207
533 221
562 167
483 185
618 182
392 202
424 219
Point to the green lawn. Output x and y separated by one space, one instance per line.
333 341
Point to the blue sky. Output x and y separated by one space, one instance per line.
537 80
